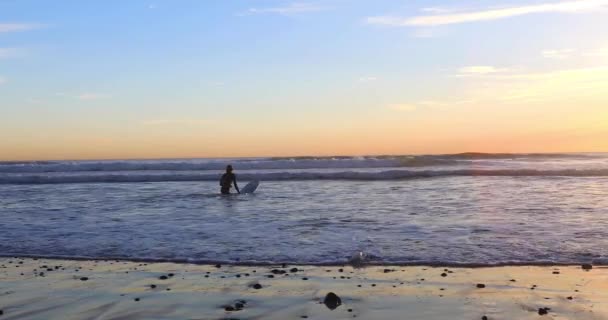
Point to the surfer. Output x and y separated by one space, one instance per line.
227 180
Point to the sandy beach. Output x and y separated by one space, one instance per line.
69 289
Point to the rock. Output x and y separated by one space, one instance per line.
555 272
481 285
84 279
484 318
388 270
218 265
332 301
136 299
444 274
257 286
587 266
171 274
163 277
569 298
229 308
153 286
543 311
304 278
293 270
277 271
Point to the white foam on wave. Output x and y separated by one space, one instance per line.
287 175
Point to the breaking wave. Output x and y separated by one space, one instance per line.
92 177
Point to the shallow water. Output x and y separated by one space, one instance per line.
447 220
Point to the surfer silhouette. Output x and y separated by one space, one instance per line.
227 180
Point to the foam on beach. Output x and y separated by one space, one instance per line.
60 289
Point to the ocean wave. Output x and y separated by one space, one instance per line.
338 162
573 261
288 176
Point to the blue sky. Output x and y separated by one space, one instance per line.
82 79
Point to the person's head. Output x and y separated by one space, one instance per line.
229 168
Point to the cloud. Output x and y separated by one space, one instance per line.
367 79
290 9
15 27
558 54
480 70
402 107
87 96
169 122
602 52
439 19
8 52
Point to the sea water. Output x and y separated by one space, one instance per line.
471 209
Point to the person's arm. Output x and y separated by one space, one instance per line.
235 185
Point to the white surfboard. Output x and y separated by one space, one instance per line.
250 187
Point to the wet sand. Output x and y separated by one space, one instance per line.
68 289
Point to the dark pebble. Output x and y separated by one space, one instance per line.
218 266
153 286
304 278
136 299
555 272
293 270
257 286
239 305
171 275
481 285
163 277
587 266
340 270
350 310
569 298
84 279
277 271
444 274
484 318
332 301
229 308
270 276
388 270
543 311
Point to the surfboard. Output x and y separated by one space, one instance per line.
250 187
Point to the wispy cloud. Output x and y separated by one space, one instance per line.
87 96
402 107
169 122
559 54
602 52
439 19
290 9
15 27
8 52
480 70
367 79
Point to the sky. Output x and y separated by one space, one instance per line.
130 79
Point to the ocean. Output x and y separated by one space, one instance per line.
460 209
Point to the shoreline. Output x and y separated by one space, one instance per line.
110 289
597 264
